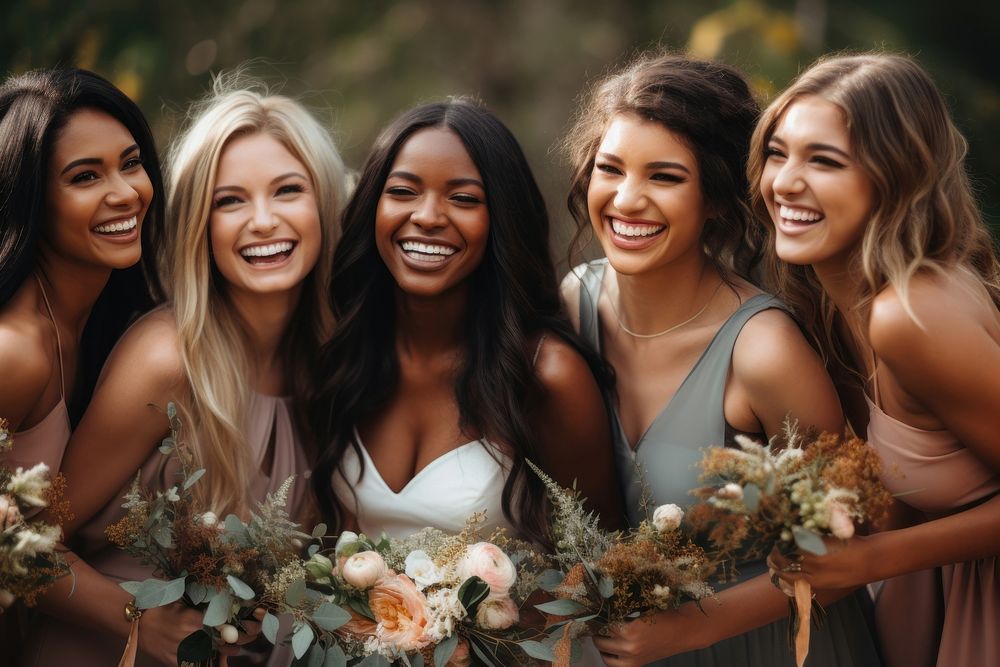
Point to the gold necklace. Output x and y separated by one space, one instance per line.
669 329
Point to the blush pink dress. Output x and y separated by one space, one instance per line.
270 431
948 616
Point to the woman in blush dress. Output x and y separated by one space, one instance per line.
451 365
700 352
82 194
256 185
884 252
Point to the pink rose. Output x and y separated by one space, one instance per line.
401 612
496 614
364 569
489 563
841 523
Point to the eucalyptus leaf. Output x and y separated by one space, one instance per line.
163 536
242 590
374 660
217 612
313 548
150 593
196 647
173 590
198 592
751 497
236 530
269 627
443 651
171 410
550 580
195 476
330 617
606 586
807 540
319 530
302 640
564 607
417 660
482 652
315 656
295 592
335 657
132 587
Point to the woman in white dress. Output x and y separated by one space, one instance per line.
451 364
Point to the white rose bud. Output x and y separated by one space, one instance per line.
228 633
346 538
496 614
364 569
422 569
667 518
209 518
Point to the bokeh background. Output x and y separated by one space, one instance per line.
358 63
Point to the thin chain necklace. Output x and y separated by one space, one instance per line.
675 327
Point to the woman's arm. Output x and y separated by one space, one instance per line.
574 431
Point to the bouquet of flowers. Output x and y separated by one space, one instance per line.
608 577
227 567
789 495
29 559
431 598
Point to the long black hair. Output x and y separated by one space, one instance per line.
34 108
516 299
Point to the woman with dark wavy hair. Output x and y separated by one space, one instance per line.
701 353
451 364
81 197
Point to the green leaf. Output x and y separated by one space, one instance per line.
196 647
173 590
319 530
195 476
561 607
163 537
606 586
171 410
330 617
443 651
241 589
482 652
217 612
473 591
361 606
236 531
807 540
550 580
751 497
167 445
269 627
150 593
416 660
132 587
315 656
313 548
335 657
538 650
374 660
198 592
302 640
295 592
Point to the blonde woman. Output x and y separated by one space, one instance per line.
256 185
861 172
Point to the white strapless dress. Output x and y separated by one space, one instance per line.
450 489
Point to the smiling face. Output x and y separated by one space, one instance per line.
818 195
98 193
644 198
264 227
432 222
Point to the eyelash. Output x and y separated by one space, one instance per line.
292 188
659 176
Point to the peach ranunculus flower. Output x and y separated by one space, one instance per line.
401 612
358 627
364 569
488 562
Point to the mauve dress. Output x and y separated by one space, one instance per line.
668 454
947 616
57 643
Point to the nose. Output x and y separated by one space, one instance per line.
787 178
630 196
121 192
263 218
429 213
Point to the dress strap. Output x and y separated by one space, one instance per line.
48 308
591 276
875 394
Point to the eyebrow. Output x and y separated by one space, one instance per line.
405 175
658 164
817 146
276 179
97 160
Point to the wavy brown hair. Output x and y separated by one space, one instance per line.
924 216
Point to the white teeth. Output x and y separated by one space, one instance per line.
113 227
426 249
266 250
789 213
623 229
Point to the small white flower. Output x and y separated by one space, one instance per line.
667 517
171 494
422 569
30 485
661 591
30 543
228 633
209 518
731 491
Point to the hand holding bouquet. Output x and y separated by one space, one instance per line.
789 498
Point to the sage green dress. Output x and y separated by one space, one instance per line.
667 455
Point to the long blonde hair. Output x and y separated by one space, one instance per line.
213 347
924 215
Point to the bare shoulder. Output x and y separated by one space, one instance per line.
27 358
769 346
149 351
560 368
569 292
